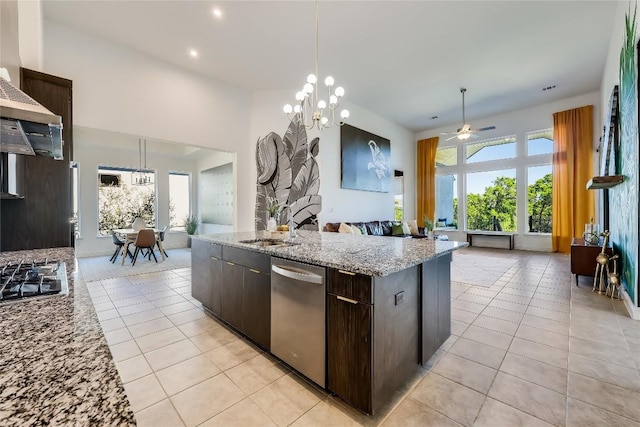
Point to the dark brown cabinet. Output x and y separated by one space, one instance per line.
436 305
372 348
200 271
583 257
350 351
206 274
256 306
232 290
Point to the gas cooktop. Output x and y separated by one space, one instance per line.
29 279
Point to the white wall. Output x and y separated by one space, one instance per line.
119 89
10 40
518 123
338 204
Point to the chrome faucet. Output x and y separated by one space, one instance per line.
292 232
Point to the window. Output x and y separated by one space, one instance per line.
491 200
493 149
540 142
179 199
119 205
446 201
398 189
539 180
446 156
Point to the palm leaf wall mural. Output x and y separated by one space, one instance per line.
288 175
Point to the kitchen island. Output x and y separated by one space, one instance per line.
56 365
388 305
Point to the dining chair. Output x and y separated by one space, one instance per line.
146 240
161 239
119 244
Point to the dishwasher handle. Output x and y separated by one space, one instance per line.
297 274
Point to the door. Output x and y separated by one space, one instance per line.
256 306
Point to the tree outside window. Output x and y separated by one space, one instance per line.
119 202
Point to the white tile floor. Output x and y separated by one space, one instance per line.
532 349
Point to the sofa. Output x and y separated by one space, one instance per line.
375 228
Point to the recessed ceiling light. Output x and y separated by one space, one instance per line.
548 88
193 53
217 12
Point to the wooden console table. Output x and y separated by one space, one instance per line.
583 257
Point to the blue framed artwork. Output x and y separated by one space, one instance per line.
365 160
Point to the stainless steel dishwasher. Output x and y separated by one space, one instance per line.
298 317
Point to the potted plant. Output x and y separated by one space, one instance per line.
273 209
428 226
191 225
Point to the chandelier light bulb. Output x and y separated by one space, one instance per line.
329 81
333 100
287 109
344 114
297 109
322 104
324 120
312 79
308 88
300 96
339 91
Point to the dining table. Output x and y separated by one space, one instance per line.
130 235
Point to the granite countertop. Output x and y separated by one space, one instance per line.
55 362
370 255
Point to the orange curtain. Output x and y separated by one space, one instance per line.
572 204
427 178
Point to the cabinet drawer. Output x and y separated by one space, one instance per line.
255 260
350 285
215 251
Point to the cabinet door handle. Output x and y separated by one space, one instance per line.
214 258
346 272
253 270
349 300
230 263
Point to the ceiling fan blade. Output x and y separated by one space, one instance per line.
486 128
450 138
448 133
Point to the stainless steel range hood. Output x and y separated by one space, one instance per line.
26 126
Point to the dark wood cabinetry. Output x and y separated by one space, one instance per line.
436 305
256 306
350 351
583 257
235 285
232 289
42 218
206 274
372 348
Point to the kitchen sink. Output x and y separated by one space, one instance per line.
268 243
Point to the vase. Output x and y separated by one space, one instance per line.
430 235
272 225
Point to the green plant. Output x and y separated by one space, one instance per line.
273 207
428 224
191 223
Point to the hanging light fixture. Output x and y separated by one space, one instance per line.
312 110
142 176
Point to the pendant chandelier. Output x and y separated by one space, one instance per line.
142 176
312 110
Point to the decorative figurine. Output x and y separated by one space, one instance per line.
602 261
614 279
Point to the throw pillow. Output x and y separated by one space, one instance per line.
396 229
441 224
344 228
413 227
355 230
406 229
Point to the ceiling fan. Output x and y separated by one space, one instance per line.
465 132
